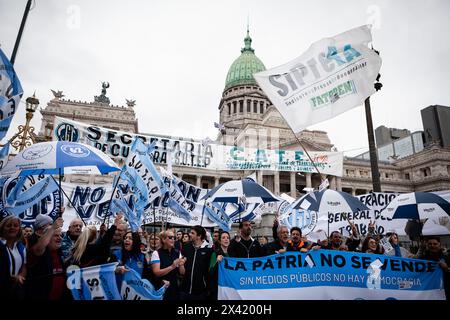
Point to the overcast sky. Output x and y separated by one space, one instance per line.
172 56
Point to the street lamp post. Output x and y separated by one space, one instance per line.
25 137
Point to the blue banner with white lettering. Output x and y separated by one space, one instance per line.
93 283
135 288
326 274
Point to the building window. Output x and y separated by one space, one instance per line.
241 106
234 107
229 109
205 185
407 176
255 107
261 108
350 172
426 172
249 106
448 170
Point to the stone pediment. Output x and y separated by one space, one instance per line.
274 119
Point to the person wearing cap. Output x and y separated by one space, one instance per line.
46 276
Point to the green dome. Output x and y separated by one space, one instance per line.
242 70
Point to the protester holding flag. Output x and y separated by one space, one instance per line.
397 250
46 275
220 251
131 257
90 251
198 255
167 263
12 258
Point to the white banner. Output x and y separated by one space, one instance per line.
334 75
310 221
192 153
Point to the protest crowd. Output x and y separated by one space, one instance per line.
33 261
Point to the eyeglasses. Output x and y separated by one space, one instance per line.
170 237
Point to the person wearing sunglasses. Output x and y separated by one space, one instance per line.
167 263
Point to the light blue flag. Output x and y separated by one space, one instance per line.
10 93
16 190
4 153
218 215
135 288
136 184
142 162
177 201
132 215
93 283
33 195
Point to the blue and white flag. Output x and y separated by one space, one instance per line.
137 186
4 153
140 160
215 213
93 283
334 75
177 202
327 274
132 215
135 288
34 194
10 93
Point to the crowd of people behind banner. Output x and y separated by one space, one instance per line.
33 261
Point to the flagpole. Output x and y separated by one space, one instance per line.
70 201
19 35
60 193
110 199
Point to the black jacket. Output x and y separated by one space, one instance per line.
196 266
245 249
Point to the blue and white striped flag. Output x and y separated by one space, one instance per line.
135 288
93 283
10 94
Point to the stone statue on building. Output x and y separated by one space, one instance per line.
57 94
131 103
103 98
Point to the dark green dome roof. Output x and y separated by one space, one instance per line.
242 70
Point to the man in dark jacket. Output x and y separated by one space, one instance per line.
198 254
244 246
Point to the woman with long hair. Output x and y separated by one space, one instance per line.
12 259
216 257
90 251
370 245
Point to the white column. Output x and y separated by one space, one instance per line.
276 183
199 181
353 192
338 183
308 180
259 177
293 185
332 182
216 181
